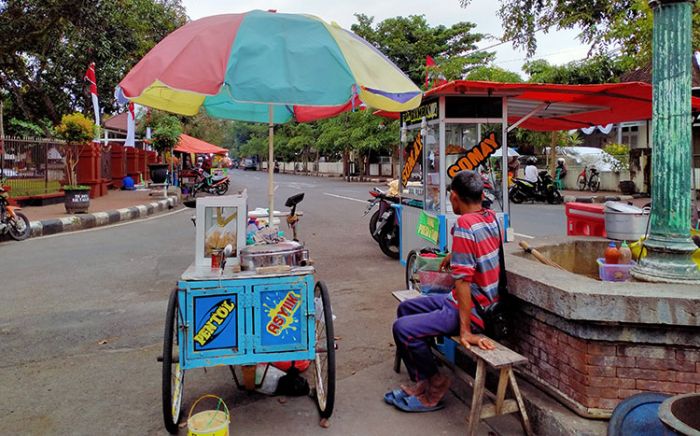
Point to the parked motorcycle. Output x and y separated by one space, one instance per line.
489 192
207 183
384 202
11 221
384 224
544 190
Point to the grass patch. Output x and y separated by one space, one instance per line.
28 187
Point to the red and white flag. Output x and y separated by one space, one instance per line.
92 79
130 126
433 76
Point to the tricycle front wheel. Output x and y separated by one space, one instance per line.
324 363
173 374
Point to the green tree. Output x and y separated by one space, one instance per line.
408 40
46 46
493 74
601 68
604 24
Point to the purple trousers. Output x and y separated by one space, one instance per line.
418 321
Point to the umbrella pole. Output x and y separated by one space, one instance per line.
270 168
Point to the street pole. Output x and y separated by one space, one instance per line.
669 244
2 142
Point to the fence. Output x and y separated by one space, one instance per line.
31 166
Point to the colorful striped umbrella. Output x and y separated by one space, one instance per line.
267 67
235 65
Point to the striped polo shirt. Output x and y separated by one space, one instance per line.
475 246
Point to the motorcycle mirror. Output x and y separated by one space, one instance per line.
228 250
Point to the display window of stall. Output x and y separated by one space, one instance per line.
470 147
432 169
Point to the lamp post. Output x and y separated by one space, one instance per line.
669 244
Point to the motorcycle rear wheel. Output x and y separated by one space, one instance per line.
516 196
389 240
221 189
555 198
373 225
19 227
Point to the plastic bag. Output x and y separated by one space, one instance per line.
435 282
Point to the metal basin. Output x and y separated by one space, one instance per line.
681 414
288 253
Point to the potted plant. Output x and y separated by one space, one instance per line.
77 130
166 134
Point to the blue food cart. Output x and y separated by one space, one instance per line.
260 309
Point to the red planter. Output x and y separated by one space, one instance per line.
118 171
132 164
143 163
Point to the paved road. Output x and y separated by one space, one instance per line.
82 314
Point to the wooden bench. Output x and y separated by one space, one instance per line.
501 359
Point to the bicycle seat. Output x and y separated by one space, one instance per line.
294 200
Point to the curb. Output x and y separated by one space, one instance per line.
98 219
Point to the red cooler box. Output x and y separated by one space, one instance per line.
585 219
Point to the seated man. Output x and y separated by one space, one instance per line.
475 266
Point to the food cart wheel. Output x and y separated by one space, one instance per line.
324 363
173 374
412 281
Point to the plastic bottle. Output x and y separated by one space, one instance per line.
251 230
612 254
625 254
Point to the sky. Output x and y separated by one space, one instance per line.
557 47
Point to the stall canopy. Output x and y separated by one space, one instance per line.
544 107
189 144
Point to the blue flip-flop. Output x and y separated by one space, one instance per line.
412 404
392 396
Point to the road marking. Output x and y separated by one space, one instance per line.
138 220
345 198
524 236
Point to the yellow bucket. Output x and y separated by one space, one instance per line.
209 422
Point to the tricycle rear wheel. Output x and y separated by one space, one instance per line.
324 363
173 374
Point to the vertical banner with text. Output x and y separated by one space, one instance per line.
428 228
413 154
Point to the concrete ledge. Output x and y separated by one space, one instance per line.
97 219
577 297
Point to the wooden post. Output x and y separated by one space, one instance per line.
477 398
270 169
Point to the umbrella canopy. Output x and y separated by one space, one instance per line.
499 153
189 144
235 65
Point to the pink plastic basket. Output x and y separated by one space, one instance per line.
614 272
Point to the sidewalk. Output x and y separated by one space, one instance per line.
602 197
114 207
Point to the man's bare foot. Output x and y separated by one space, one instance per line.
416 389
439 385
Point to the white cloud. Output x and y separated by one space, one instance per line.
556 46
